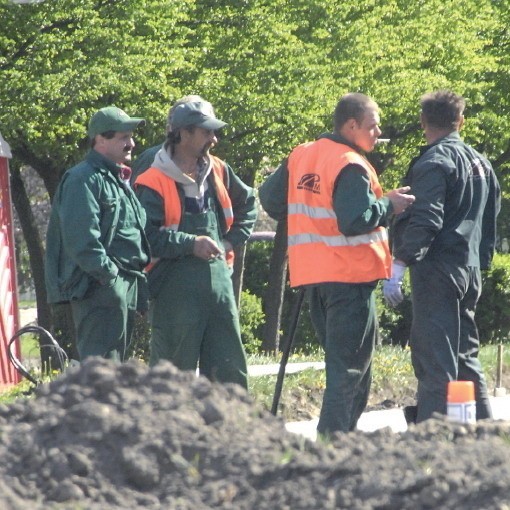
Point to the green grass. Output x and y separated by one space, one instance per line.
313 353
29 346
392 373
391 365
393 378
300 390
15 392
301 395
27 304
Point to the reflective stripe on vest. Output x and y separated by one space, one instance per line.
166 188
340 240
318 251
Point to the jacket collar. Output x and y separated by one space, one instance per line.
335 137
454 136
102 163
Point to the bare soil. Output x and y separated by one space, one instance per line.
105 436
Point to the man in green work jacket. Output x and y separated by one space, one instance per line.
96 247
338 249
198 210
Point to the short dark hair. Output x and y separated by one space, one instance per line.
352 106
107 134
442 109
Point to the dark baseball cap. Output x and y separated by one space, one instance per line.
196 114
112 118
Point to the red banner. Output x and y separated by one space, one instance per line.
9 313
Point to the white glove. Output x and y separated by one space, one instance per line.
392 288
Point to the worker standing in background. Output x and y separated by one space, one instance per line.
338 248
445 238
96 248
198 210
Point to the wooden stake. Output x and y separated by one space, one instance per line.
499 390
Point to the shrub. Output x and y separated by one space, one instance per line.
493 312
251 318
256 267
394 323
256 273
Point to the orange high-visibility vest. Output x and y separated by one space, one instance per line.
166 188
318 251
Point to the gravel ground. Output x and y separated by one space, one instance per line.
106 436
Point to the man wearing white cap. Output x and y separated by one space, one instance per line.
96 246
198 210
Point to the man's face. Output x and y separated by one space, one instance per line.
199 141
365 134
117 149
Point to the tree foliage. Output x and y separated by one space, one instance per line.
62 60
274 70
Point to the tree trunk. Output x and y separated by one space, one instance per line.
273 299
36 254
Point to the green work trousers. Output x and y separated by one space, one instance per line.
104 318
194 316
444 337
344 319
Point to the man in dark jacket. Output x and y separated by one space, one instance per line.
445 238
96 247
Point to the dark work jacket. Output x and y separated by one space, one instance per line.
143 162
453 220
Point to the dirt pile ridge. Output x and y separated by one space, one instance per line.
107 436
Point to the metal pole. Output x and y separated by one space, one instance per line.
286 350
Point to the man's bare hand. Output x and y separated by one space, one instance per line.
400 199
205 248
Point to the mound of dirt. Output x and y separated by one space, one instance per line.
107 436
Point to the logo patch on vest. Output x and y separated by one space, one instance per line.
310 182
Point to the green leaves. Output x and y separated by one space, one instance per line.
67 59
273 70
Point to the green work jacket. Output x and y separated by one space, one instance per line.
96 228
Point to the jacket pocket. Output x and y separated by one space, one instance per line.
76 285
110 210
